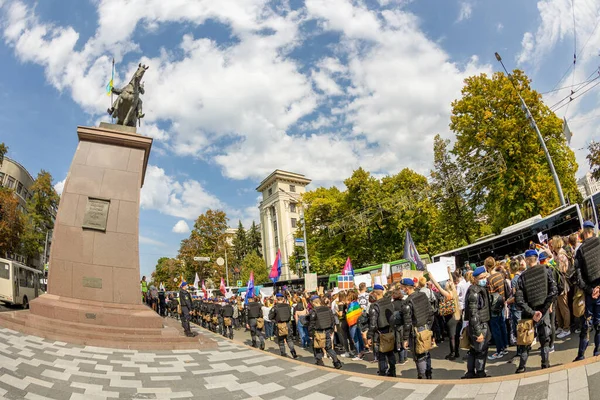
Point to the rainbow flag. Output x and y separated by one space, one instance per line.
353 313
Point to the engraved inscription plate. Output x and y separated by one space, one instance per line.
90 315
94 283
96 214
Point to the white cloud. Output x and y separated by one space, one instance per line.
233 105
466 9
152 242
555 30
184 200
59 186
499 27
556 26
528 44
181 227
187 199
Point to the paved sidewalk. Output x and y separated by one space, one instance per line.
33 368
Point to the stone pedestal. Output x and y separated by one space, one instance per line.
94 295
94 274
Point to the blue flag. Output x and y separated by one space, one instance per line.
250 292
411 253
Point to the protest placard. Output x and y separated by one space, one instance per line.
310 282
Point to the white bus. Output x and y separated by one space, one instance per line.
19 284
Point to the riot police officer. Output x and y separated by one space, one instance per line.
253 313
320 326
587 269
217 316
227 317
186 307
478 314
380 314
281 314
535 293
418 320
398 305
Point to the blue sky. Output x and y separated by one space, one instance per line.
238 88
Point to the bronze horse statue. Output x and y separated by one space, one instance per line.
127 108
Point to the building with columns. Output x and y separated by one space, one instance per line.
587 185
279 215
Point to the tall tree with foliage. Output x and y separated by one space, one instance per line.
367 222
207 239
41 211
594 159
254 240
11 222
240 244
450 192
253 262
490 126
3 151
166 270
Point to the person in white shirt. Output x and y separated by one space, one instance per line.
462 288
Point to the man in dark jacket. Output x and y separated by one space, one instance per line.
587 270
535 293
478 314
418 317
253 313
320 326
186 307
281 315
380 314
398 305
227 318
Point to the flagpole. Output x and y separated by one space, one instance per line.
112 119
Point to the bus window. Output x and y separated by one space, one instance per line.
4 271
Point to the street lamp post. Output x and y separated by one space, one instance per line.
303 230
539 134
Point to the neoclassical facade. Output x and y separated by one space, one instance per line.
280 213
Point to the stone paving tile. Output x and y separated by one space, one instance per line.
532 391
32 368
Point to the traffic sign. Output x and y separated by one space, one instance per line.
299 242
239 283
201 258
220 261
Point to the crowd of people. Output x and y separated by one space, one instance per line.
550 291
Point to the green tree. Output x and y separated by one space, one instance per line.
367 222
254 240
166 270
253 262
450 192
207 239
11 222
491 126
41 211
240 244
3 151
594 159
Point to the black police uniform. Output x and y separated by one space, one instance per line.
281 313
398 319
186 307
536 291
162 304
253 312
478 313
418 315
320 319
380 314
587 269
227 315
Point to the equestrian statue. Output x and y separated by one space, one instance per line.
127 108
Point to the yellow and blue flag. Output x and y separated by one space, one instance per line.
110 84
